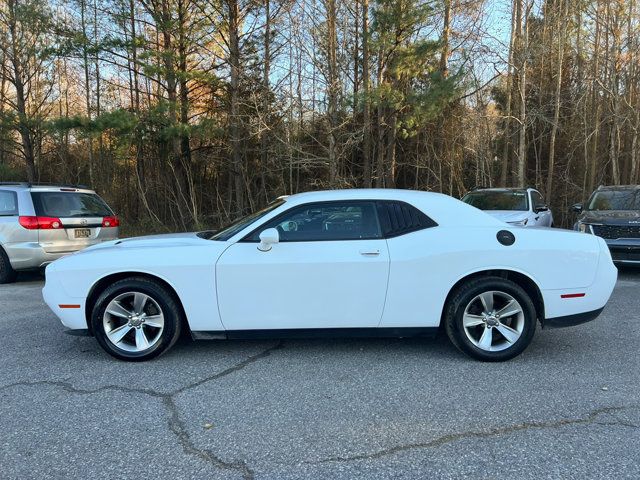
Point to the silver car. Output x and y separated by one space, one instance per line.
41 223
516 206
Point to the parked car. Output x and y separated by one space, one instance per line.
41 223
516 206
613 213
346 262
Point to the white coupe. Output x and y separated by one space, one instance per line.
340 263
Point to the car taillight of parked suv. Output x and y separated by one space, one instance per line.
613 213
41 223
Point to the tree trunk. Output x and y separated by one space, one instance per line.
523 45
234 114
87 84
390 176
380 143
556 104
264 141
332 91
18 81
595 103
444 55
614 142
506 160
98 105
366 114
185 138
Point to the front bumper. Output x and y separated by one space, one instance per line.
625 251
70 310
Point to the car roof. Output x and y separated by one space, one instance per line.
361 194
619 187
445 210
44 187
503 189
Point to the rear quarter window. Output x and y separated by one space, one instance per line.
398 218
69 205
8 203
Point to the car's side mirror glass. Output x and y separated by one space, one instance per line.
267 238
576 207
541 208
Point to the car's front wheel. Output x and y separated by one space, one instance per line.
490 319
136 319
7 273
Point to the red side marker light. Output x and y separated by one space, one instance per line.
68 306
572 295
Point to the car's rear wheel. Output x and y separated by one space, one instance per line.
136 319
7 273
490 319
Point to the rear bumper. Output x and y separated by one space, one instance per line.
32 255
29 255
572 320
572 306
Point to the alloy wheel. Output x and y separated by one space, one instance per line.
133 321
493 321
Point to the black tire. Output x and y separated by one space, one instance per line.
464 295
164 298
7 273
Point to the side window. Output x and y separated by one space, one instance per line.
398 218
536 199
349 220
8 203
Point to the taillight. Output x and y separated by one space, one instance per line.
110 221
40 223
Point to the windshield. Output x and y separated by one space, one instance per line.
498 200
69 205
230 230
615 200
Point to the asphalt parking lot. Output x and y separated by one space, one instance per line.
569 407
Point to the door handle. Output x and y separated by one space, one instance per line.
370 253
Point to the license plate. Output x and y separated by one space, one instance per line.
83 232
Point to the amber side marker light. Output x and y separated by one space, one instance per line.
572 295
69 306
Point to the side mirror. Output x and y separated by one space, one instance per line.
576 207
267 238
541 208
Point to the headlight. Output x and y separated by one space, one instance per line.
519 222
584 228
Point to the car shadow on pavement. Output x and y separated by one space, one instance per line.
30 276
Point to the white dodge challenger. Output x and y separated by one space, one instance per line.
337 263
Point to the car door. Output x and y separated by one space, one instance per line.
542 217
329 270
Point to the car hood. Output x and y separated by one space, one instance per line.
611 217
142 252
150 241
508 215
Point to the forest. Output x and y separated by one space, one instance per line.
186 114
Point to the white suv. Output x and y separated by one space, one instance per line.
516 206
41 223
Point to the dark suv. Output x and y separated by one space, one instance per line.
613 213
